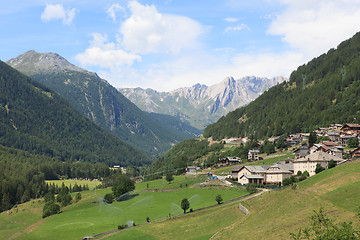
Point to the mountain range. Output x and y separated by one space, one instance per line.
103 104
201 105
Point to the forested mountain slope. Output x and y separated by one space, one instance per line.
38 120
101 102
325 90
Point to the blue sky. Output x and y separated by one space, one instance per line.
167 44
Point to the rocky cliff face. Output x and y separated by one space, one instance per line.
200 104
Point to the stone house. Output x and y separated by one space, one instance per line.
308 163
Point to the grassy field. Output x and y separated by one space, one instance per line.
91 216
273 215
276 214
197 225
67 183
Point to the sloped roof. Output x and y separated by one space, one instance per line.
236 168
352 125
287 168
319 156
252 176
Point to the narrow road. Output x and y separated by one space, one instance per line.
242 209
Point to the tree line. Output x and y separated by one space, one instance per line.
23 175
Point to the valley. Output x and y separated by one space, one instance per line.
101 136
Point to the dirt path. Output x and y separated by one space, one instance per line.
242 209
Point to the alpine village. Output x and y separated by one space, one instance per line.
81 159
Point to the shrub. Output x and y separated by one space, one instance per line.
218 199
108 198
331 164
319 168
122 226
50 208
251 188
78 197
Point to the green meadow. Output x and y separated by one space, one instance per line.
273 215
67 183
91 216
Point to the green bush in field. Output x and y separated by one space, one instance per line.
218 199
50 208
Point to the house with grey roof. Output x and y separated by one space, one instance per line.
309 162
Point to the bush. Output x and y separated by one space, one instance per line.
286 182
109 198
331 164
122 226
251 188
218 199
78 197
322 227
50 208
306 174
319 168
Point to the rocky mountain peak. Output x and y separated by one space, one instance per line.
33 62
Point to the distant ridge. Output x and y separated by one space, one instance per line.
202 105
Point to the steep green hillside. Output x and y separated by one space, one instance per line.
323 91
38 120
102 103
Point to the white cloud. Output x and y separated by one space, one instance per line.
57 11
148 31
231 20
315 26
113 9
236 28
105 54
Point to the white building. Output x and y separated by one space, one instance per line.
309 162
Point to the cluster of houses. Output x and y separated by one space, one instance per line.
276 173
306 159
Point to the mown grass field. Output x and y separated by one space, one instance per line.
91 216
67 183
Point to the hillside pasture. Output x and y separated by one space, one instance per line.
72 182
91 216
